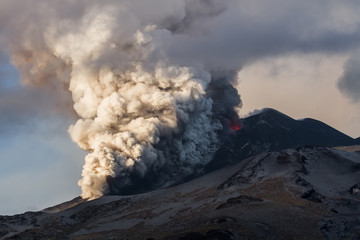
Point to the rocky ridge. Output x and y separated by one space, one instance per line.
302 193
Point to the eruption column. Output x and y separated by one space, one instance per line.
141 114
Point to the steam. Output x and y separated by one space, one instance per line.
146 115
141 115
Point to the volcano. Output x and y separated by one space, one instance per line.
271 130
263 185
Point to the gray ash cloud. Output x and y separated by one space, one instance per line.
152 82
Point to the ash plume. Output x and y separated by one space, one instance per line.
195 13
141 115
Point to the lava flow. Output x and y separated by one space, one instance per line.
235 125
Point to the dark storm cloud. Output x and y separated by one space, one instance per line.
349 82
195 12
247 31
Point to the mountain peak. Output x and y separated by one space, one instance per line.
279 127
271 130
264 111
268 114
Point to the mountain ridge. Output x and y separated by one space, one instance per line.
303 193
271 130
281 120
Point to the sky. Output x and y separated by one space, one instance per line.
40 163
299 57
293 91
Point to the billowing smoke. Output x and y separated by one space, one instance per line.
146 120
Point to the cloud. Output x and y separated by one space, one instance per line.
349 82
251 30
21 109
195 13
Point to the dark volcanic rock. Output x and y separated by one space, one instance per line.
214 234
239 200
312 195
298 193
355 190
271 130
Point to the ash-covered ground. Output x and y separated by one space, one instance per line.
303 193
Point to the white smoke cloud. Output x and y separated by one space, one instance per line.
139 113
143 110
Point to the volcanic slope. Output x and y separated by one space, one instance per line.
271 130
303 193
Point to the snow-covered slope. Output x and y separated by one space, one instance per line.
304 193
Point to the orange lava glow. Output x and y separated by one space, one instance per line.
235 126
